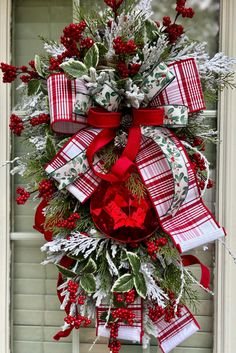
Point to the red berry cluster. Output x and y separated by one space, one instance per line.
74 31
123 314
55 63
81 299
23 196
72 289
114 346
174 31
154 245
31 74
114 5
182 10
46 189
122 47
77 321
128 297
170 313
72 36
166 21
202 183
114 329
69 223
155 312
11 72
198 162
41 119
16 125
198 142
127 71
86 43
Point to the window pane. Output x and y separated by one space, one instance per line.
36 314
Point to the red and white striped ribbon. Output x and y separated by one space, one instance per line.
62 95
170 335
87 183
193 225
185 89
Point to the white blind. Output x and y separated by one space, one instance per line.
35 307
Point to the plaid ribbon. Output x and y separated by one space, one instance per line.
84 186
193 225
62 96
170 335
185 89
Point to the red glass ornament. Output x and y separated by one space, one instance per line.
122 216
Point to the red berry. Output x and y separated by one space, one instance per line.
24 196
86 43
16 124
46 189
41 119
166 21
9 72
114 4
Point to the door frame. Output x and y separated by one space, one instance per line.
225 270
5 35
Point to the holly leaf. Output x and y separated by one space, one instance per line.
102 49
50 148
123 284
78 258
66 272
104 317
151 30
33 87
134 261
90 267
91 58
140 285
38 65
74 68
88 283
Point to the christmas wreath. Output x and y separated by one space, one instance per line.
114 118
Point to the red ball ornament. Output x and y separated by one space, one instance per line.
122 216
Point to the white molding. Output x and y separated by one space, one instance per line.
225 279
5 19
18 236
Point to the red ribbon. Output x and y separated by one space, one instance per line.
189 260
109 122
66 262
39 220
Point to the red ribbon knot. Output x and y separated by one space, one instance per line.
109 122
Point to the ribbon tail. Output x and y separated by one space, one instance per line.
193 225
189 260
170 335
66 261
39 221
62 334
177 166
